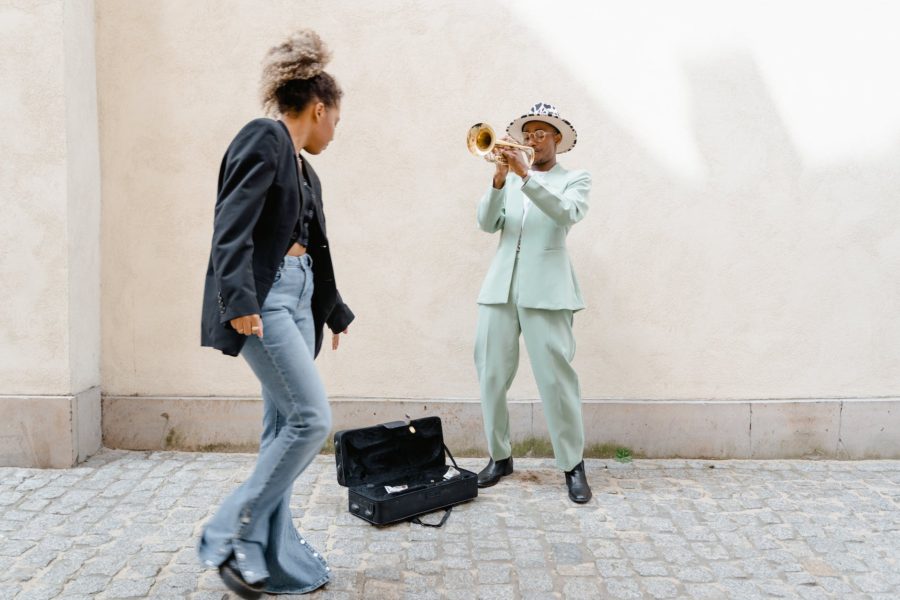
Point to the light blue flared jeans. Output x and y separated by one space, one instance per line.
254 522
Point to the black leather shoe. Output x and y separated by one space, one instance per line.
576 481
235 582
492 473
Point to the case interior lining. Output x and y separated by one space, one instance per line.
378 455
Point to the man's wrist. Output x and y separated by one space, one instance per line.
526 176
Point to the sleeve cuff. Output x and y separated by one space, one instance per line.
340 318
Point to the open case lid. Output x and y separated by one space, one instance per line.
388 451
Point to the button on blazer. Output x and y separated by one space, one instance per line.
259 200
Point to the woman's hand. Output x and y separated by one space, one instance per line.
248 325
336 338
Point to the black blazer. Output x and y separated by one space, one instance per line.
259 201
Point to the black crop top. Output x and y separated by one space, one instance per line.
300 235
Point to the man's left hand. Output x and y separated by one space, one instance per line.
516 161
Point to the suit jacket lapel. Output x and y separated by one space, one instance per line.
555 175
300 186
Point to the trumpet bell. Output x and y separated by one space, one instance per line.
482 141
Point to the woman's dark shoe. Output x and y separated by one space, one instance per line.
235 582
576 481
492 473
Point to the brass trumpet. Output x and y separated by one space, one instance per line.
482 141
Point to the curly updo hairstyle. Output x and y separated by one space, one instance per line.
293 75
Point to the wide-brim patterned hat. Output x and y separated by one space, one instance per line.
546 113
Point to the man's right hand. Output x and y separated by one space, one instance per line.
248 325
501 164
501 170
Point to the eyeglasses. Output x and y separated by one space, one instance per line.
538 136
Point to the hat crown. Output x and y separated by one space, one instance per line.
547 113
544 109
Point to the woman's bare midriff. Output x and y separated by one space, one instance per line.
297 250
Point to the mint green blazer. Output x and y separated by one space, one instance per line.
546 278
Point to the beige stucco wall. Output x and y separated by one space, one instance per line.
35 211
50 268
50 192
742 247
759 270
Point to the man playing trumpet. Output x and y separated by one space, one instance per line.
531 289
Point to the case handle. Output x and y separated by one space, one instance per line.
447 510
419 521
453 460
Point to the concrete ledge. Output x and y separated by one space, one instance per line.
857 428
668 429
870 429
49 431
86 417
160 423
805 429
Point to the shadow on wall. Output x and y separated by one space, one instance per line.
765 279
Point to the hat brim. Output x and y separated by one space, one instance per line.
569 137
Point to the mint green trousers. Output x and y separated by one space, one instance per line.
551 347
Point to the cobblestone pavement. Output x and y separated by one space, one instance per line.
124 525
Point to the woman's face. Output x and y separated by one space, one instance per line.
325 120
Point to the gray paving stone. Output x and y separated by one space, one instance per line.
622 588
422 551
8 498
425 567
726 570
650 569
128 588
106 564
40 591
90 585
640 550
125 525
452 563
660 588
60 572
495 592
494 555
580 588
493 573
813 593
535 580
872 583
568 553
421 583
527 560
741 588
14 548
614 568
209 596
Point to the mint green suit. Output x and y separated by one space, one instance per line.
531 289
